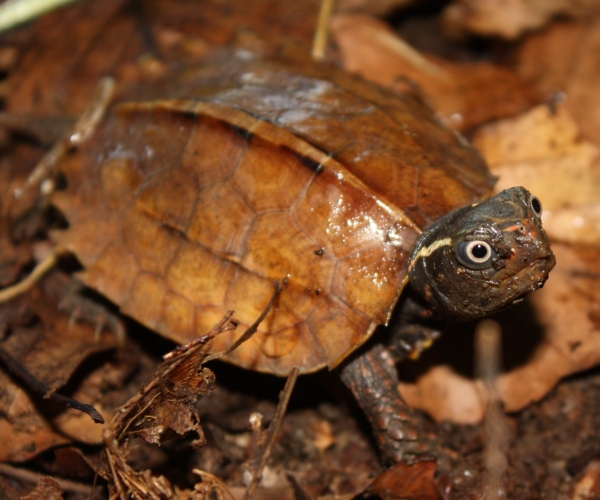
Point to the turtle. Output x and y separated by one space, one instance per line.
195 192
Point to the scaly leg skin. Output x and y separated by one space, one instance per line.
373 379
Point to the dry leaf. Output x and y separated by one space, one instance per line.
543 150
42 340
406 481
510 18
44 351
588 487
466 94
59 66
564 58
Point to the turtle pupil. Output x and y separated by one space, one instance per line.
536 205
479 251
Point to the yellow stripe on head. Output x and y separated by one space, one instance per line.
427 251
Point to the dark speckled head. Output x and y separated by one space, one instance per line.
481 258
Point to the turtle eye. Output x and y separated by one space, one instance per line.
475 254
536 205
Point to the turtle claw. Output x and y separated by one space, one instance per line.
82 308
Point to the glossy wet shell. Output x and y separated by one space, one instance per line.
184 207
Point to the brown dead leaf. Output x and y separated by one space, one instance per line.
323 435
509 19
446 395
466 94
16 224
543 150
588 487
42 341
59 67
13 257
565 58
406 481
43 350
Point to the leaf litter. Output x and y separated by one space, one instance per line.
567 309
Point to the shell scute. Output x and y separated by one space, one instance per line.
213 227
199 274
277 247
120 179
113 272
146 298
285 172
174 211
213 151
377 268
177 314
141 231
338 329
139 132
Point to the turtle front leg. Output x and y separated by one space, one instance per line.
373 379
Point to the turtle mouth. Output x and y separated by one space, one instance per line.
546 264
532 277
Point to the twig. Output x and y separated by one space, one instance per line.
81 131
488 352
214 484
410 55
322 32
273 431
34 477
15 12
42 268
252 329
34 384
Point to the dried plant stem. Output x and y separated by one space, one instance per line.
42 268
81 131
247 335
273 431
322 32
15 12
213 483
34 477
42 389
488 353
410 55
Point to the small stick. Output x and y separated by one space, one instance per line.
15 12
488 352
322 33
410 55
214 483
252 329
42 268
81 131
34 477
34 384
275 425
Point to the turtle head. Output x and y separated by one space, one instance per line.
481 258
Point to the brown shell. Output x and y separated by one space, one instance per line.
184 207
